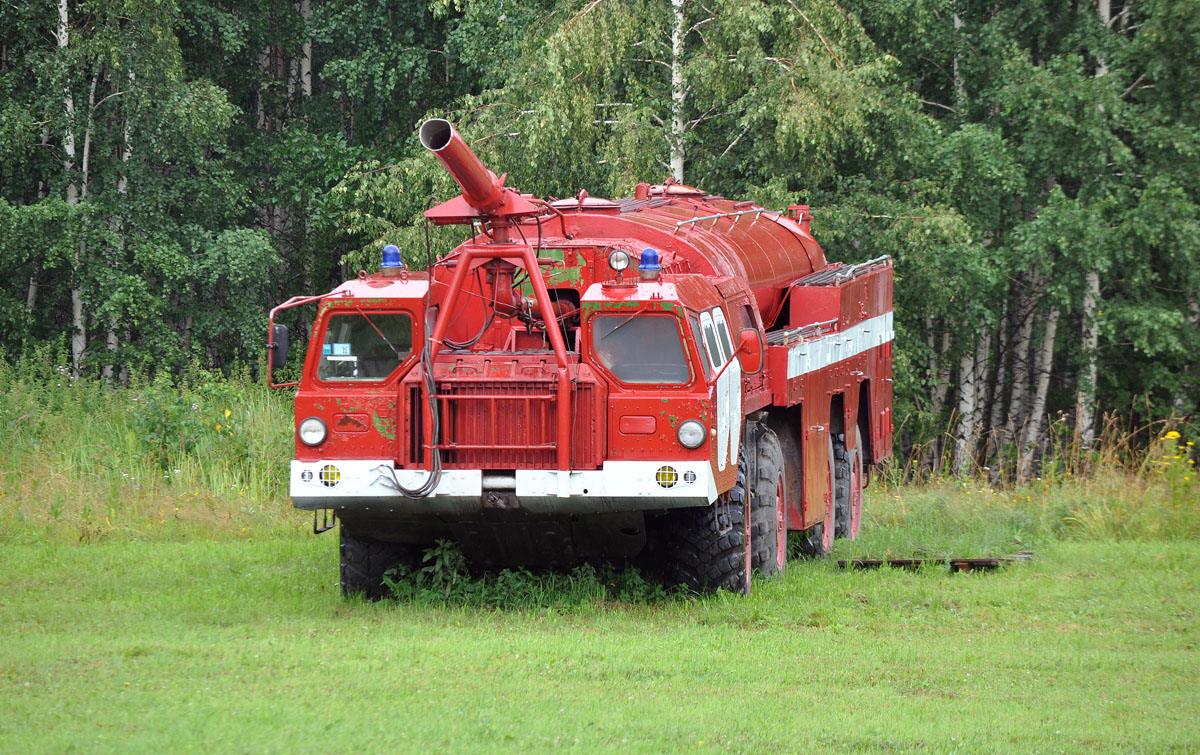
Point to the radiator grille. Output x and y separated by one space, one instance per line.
509 424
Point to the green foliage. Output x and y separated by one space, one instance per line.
175 419
443 579
243 153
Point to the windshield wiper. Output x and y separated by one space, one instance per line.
624 322
380 332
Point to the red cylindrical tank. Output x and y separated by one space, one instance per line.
768 250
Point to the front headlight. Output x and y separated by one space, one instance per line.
312 432
692 433
618 260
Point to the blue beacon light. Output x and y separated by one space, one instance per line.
648 267
391 257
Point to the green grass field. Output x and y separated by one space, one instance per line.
157 592
246 645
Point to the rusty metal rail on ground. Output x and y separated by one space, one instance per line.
956 564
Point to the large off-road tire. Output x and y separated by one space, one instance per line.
768 512
365 560
705 549
848 473
817 540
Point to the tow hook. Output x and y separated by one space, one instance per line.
722 515
323 520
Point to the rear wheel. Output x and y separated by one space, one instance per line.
364 560
848 485
768 512
817 541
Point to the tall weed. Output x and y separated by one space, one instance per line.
202 454
206 455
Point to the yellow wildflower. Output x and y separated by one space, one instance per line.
218 428
227 413
1171 435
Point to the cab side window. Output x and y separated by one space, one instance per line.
723 332
711 344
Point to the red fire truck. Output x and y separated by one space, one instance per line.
675 376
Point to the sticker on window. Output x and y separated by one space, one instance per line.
341 349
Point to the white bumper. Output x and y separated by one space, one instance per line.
368 484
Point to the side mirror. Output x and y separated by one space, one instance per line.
278 346
750 351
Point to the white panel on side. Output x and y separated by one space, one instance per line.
822 352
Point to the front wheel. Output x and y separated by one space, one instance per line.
708 548
705 548
364 561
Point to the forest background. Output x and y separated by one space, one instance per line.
171 169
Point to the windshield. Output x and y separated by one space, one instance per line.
641 348
361 346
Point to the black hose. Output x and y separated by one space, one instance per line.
435 468
460 345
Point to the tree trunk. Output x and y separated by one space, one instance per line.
992 448
1033 427
1021 356
31 293
306 84
968 413
79 340
960 87
112 342
1188 378
983 351
78 334
264 69
1085 396
1003 359
678 91
972 377
942 388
